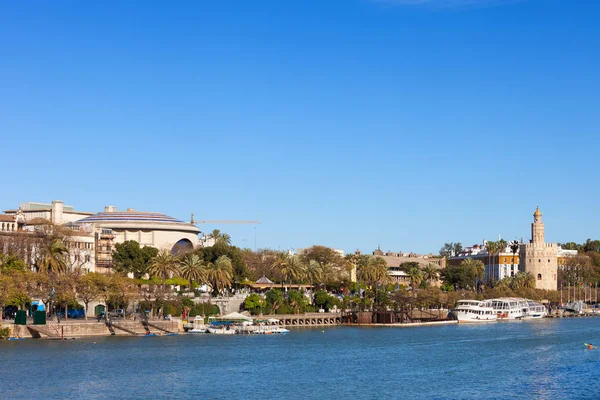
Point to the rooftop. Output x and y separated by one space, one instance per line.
130 216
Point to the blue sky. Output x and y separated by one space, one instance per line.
348 123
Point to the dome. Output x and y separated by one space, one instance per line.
130 216
537 212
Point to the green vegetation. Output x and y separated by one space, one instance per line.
129 257
4 333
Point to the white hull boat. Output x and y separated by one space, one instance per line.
473 311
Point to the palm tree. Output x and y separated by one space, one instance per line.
379 271
528 280
163 265
193 269
416 277
53 257
476 269
292 269
220 273
220 237
313 272
431 273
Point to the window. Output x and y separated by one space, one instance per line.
548 260
540 260
504 260
539 277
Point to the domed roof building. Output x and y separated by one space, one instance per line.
147 228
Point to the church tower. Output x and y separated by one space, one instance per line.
539 258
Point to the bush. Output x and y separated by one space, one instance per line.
4 333
206 308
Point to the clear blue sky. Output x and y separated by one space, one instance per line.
348 123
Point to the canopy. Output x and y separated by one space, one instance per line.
235 316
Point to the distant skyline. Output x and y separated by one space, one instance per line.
346 123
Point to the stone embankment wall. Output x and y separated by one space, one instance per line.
84 329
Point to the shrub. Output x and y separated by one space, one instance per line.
4 333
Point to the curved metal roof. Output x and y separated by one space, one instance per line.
130 216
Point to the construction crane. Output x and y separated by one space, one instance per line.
247 222
251 222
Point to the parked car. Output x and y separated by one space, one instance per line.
117 313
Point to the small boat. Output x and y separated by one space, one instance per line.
223 328
198 325
473 311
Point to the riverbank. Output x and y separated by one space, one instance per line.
78 329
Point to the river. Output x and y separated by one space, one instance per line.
542 359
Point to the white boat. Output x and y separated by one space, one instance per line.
199 326
268 327
473 311
224 329
534 310
516 308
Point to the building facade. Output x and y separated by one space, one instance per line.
91 237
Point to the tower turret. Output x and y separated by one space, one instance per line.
537 227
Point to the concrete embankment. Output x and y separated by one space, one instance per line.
77 329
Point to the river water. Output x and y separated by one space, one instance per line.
542 359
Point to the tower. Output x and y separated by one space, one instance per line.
538 257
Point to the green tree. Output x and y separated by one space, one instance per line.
289 267
193 269
476 270
451 249
220 273
87 290
431 273
163 265
11 262
53 257
255 303
275 299
313 272
220 237
211 254
416 277
129 257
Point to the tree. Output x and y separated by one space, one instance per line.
53 257
163 265
275 299
451 249
431 273
193 269
129 257
234 254
591 245
476 270
87 290
220 273
313 272
220 237
255 303
11 262
289 267
416 277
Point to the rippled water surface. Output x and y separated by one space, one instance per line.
510 360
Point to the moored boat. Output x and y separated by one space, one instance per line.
473 311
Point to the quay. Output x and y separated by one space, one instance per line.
70 329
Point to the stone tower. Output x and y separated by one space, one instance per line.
538 257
